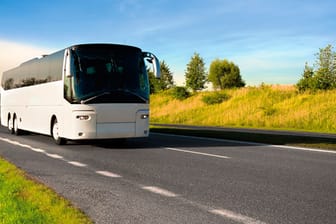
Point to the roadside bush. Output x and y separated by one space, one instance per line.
215 98
323 77
179 93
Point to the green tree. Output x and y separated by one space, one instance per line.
307 81
165 82
324 77
153 82
325 74
195 74
225 74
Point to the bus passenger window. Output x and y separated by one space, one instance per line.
109 67
91 70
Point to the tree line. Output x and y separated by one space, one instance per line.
224 74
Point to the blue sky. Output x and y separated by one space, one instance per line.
269 40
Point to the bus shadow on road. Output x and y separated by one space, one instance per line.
115 144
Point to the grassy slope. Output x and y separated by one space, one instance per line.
25 201
268 107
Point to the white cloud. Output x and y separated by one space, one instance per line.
13 54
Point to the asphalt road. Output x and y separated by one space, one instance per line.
176 179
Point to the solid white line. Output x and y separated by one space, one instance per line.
108 174
198 153
235 216
252 143
74 163
160 191
302 148
212 139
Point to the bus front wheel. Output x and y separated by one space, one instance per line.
55 134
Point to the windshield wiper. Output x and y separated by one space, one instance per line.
135 94
94 97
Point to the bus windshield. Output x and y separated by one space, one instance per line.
109 74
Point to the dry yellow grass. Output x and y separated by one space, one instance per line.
271 107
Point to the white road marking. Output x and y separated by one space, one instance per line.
213 139
37 150
6 140
14 142
55 156
160 191
236 216
302 148
198 153
108 174
252 143
74 163
21 145
221 212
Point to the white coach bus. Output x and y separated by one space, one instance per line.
87 91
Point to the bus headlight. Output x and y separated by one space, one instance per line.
144 116
83 117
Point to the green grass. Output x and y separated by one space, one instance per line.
23 200
265 107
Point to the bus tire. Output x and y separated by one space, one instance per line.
10 125
16 129
55 133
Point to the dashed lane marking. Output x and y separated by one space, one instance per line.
108 174
37 150
55 156
75 163
153 189
160 191
235 216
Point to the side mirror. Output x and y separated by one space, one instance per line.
151 58
68 64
